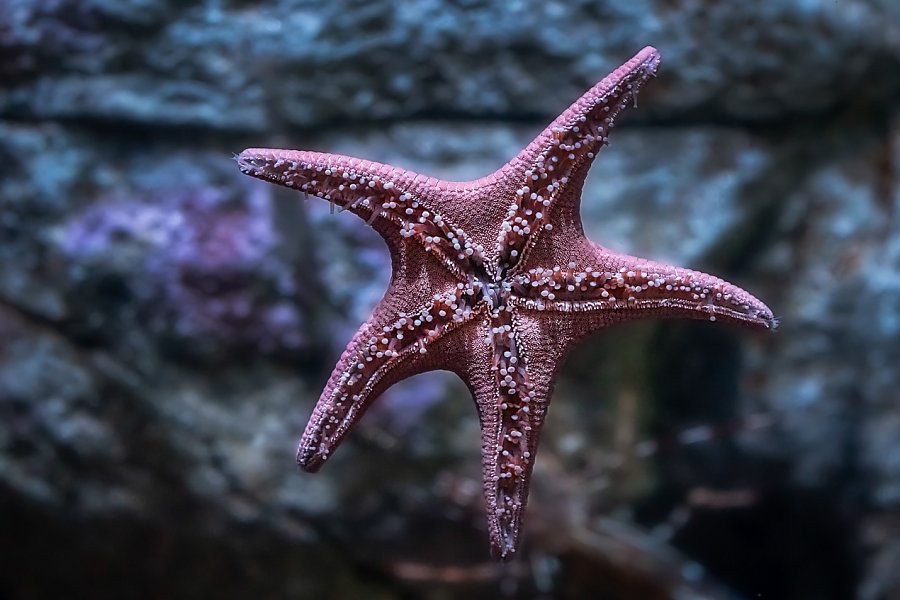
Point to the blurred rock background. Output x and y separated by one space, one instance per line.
166 324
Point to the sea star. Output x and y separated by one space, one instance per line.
494 280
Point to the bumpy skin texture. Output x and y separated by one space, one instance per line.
494 280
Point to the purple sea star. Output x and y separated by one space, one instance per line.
494 280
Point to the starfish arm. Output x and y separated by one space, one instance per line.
555 164
394 201
511 394
389 347
638 289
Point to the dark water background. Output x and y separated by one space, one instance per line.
167 324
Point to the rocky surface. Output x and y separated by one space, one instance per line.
167 324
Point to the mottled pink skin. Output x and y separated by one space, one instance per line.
494 280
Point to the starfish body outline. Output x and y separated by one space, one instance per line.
494 280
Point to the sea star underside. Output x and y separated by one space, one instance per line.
494 280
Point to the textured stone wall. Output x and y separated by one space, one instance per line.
166 324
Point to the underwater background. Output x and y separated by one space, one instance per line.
166 323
